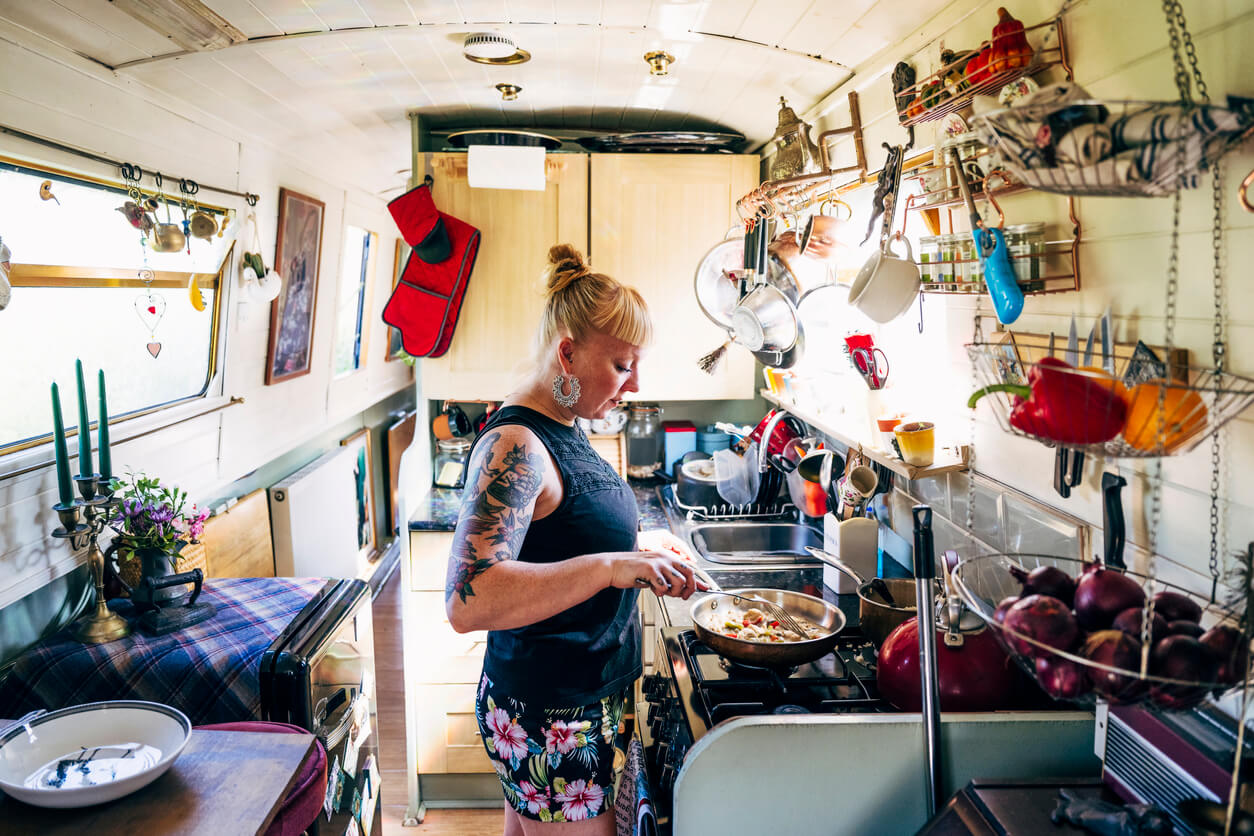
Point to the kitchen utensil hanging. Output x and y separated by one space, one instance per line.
167 236
1244 192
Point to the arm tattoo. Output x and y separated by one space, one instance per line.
495 515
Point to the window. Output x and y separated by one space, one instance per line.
84 286
351 299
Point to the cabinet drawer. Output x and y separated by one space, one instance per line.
428 559
443 655
447 732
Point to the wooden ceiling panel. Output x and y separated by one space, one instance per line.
246 17
291 15
625 12
387 12
119 24
74 32
483 10
724 17
337 14
531 11
770 20
822 25
578 11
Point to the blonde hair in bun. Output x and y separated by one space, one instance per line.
579 301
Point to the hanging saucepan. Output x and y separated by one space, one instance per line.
203 225
710 612
883 603
765 320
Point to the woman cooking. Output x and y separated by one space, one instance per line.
544 559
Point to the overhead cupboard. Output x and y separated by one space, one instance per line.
644 219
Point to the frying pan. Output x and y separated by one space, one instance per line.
709 612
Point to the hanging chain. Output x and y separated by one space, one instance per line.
977 337
1219 352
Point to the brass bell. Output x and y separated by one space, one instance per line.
795 152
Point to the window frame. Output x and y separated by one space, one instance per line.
64 276
365 299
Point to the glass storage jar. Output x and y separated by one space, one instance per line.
644 449
945 272
1026 244
450 462
929 254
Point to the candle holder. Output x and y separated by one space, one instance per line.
102 625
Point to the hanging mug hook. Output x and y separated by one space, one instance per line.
992 201
1243 191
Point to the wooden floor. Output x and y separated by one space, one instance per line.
390 677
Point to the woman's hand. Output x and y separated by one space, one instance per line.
662 572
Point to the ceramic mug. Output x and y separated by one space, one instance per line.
856 488
818 238
887 284
917 440
886 424
451 423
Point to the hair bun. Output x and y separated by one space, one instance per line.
566 265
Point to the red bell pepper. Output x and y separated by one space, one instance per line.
1062 405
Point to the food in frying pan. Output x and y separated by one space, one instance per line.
754 625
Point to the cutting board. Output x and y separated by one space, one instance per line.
223 782
237 541
399 436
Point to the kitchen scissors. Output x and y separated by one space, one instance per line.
869 362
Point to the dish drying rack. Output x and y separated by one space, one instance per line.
781 509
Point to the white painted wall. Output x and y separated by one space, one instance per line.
49 92
1119 50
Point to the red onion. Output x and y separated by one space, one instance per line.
1226 643
1184 627
1101 594
1177 607
1186 658
1061 678
999 614
1046 580
1129 621
1045 619
1117 650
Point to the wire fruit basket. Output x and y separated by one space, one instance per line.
1130 409
1070 675
1111 148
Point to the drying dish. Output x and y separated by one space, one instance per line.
664 141
92 753
464 139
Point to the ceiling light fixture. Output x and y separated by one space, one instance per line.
659 62
493 48
509 92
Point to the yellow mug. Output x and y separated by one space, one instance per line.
917 441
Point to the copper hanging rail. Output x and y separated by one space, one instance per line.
250 198
799 190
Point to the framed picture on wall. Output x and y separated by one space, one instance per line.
394 334
363 478
297 251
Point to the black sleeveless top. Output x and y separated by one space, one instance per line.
591 650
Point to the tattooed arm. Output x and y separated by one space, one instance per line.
487 587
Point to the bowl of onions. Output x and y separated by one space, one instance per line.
1078 630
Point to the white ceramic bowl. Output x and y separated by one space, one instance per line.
79 755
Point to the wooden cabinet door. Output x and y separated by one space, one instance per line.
653 218
492 346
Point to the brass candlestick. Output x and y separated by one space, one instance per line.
101 625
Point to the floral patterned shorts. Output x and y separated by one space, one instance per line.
554 764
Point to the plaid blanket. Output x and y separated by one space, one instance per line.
208 671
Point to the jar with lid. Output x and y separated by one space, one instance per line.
929 254
964 252
644 450
945 261
1026 244
450 462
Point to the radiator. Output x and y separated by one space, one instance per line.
313 515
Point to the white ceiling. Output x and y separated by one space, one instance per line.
344 74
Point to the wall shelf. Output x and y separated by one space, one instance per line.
948 459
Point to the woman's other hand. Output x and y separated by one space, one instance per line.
662 572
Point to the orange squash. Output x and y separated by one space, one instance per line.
1104 378
1182 416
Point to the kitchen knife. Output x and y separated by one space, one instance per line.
1108 356
1073 345
1088 346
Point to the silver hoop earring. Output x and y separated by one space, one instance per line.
562 398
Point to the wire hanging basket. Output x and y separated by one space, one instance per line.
1111 148
1071 675
1130 409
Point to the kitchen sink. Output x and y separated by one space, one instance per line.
750 542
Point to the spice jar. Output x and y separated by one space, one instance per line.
450 462
644 451
1026 243
946 269
929 254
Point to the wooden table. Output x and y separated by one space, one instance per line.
223 782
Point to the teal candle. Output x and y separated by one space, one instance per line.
84 426
64 490
106 457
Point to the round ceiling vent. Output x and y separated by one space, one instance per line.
493 48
